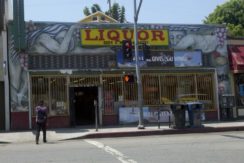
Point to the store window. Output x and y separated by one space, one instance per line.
58 96
168 88
187 87
53 91
151 87
112 93
39 91
205 89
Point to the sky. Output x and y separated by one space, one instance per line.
152 11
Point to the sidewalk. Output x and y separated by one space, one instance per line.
116 131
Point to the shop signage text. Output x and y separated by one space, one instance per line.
114 37
163 58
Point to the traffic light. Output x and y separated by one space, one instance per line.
129 78
146 51
127 49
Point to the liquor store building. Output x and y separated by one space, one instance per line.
79 69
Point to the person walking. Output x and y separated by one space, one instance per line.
41 121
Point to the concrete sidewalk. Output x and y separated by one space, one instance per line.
116 131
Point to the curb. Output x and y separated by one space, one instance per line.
4 142
158 132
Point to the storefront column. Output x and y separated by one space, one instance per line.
6 81
100 100
29 97
216 93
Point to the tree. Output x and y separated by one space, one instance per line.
95 8
115 11
86 11
122 15
231 14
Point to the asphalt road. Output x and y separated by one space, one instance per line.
223 147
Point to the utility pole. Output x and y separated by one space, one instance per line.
4 17
139 84
110 8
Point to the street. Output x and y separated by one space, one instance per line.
223 147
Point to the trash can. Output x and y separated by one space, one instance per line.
195 114
179 115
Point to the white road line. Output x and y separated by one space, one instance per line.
120 156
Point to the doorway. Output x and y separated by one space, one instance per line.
82 110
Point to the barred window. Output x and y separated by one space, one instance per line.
40 91
112 92
151 93
53 91
58 96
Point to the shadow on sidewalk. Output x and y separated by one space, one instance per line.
77 129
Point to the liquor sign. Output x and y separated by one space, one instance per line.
114 37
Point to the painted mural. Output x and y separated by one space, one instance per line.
212 42
18 63
58 39
65 39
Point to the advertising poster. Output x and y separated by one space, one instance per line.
129 115
188 58
124 63
160 58
153 59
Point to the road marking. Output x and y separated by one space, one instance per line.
120 156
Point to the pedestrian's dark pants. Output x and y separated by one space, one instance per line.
39 127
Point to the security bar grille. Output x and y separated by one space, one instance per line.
158 89
40 62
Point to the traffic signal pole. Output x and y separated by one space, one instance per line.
138 75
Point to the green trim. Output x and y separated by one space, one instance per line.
19 25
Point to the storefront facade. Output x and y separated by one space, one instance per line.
236 56
71 65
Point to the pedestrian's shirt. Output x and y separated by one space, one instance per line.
41 114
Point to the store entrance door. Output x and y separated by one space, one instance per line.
82 110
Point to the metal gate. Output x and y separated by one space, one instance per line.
158 88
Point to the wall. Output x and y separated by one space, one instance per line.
65 39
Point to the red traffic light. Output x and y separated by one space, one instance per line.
127 49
